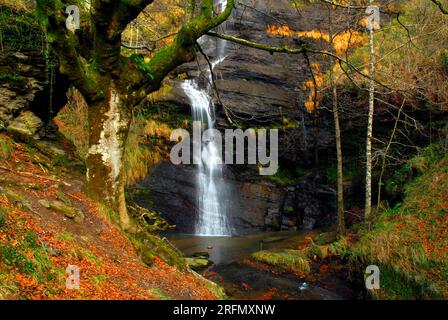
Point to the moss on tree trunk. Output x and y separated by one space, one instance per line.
109 122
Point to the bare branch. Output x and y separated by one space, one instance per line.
440 5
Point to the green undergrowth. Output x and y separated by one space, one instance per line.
290 260
21 252
408 242
150 246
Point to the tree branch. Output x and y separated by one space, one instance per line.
182 49
64 44
303 49
440 5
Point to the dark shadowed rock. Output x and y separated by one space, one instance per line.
260 90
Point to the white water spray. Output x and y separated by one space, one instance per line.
211 198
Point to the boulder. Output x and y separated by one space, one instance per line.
26 126
198 263
50 149
44 203
68 211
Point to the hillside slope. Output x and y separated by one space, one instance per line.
48 223
409 243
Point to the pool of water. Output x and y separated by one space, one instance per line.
224 250
243 281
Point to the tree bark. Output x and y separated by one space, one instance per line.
368 204
340 180
109 122
112 84
337 133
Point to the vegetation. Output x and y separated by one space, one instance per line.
37 244
408 241
291 260
111 88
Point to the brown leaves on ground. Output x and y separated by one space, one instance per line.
109 266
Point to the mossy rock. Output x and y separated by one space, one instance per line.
50 149
68 211
290 260
150 246
26 126
201 254
198 263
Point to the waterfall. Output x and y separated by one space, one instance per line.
211 190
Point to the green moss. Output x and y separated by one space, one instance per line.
20 30
339 247
159 294
5 147
27 256
150 246
83 253
98 279
288 176
66 236
290 260
407 241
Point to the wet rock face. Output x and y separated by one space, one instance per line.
254 86
314 202
253 206
27 100
171 190
17 92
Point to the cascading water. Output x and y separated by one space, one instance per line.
213 218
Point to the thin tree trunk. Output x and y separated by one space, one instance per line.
340 182
337 132
109 122
384 155
368 204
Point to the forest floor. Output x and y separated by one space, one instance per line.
47 223
408 243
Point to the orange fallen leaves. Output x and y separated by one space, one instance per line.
109 266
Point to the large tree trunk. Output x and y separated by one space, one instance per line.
109 121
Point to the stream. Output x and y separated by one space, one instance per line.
244 281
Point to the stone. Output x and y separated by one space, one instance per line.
202 254
44 203
24 87
26 126
50 149
68 211
198 263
